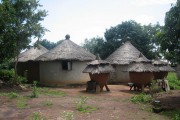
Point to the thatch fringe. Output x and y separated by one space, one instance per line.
98 66
32 53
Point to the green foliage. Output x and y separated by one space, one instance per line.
173 114
96 46
83 107
21 103
174 82
11 95
116 36
19 21
68 115
144 38
48 44
170 37
141 98
8 76
37 116
34 90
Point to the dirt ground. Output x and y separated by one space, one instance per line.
113 105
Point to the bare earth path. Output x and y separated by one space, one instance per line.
114 105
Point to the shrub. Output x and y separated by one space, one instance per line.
7 76
34 90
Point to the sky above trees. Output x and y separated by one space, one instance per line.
90 18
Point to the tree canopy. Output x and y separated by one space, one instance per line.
169 38
19 23
142 37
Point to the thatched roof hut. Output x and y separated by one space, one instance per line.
99 71
67 50
64 64
120 59
124 54
27 66
32 53
163 68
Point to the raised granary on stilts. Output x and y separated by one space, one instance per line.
99 71
141 72
163 68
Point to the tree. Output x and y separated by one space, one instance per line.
47 44
170 36
152 32
96 46
116 36
19 23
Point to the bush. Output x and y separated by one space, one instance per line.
7 76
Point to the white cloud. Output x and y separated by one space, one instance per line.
152 2
144 19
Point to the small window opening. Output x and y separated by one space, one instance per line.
67 65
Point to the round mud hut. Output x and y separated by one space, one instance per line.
120 59
27 66
99 72
64 64
163 69
141 72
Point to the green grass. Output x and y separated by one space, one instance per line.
21 103
141 98
68 115
46 91
37 116
173 114
11 95
81 105
174 82
47 103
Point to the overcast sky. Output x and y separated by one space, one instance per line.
90 18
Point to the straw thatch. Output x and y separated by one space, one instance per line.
32 53
98 66
142 65
162 66
67 50
124 54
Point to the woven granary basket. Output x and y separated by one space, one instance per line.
160 75
141 77
101 78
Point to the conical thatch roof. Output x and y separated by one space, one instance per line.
67 50
141 65
162 65
32 53
124 54
98 66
